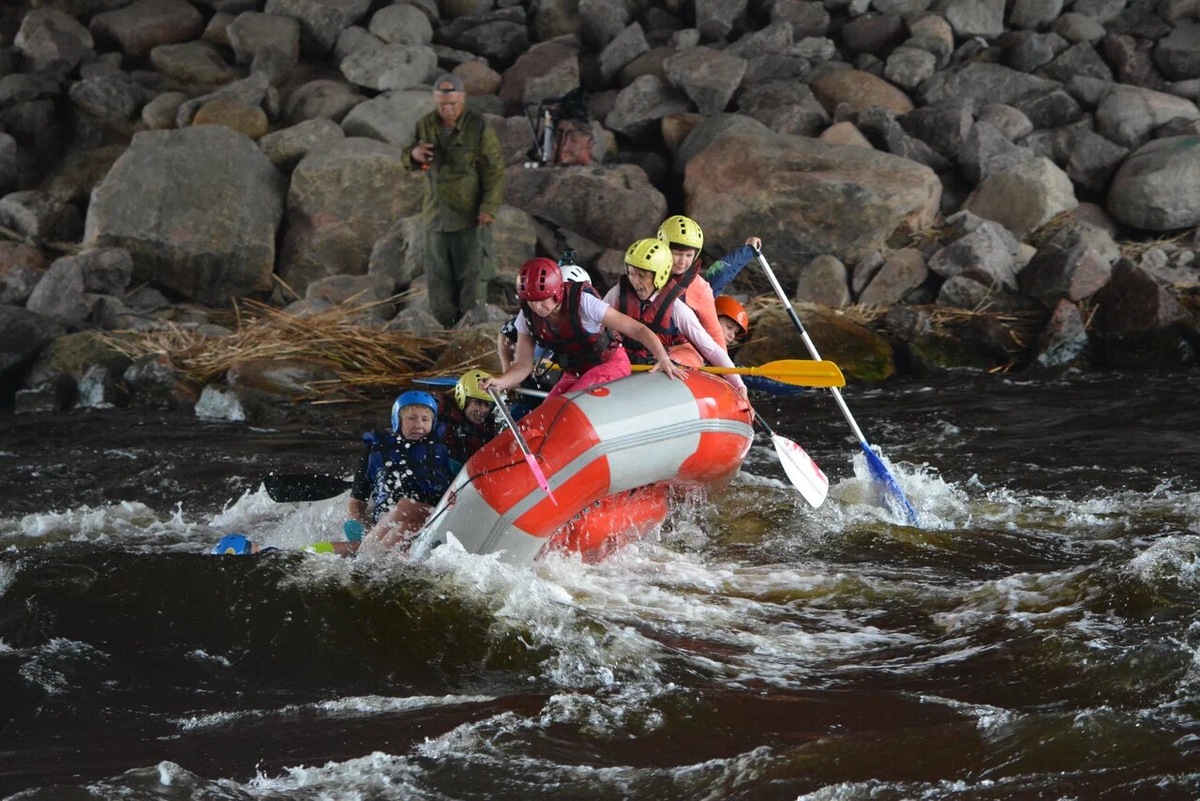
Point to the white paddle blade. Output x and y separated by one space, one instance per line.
802 471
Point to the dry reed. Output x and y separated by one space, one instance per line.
365 357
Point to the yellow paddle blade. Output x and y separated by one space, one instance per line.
801 372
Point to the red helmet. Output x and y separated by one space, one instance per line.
728 307
539 279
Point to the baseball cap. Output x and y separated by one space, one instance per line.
455 83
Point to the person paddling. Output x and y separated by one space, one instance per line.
643 294
582 330
686 239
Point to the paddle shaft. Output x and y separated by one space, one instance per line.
530 460
873 461
808 343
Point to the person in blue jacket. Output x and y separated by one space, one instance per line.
402 474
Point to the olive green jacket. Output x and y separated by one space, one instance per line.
467 174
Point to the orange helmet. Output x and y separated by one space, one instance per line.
728 307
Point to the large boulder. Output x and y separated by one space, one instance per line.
197 208
344 196
806 197
611 205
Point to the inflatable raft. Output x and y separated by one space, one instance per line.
613 455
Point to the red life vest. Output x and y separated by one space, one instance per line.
575 349
655 314
459 434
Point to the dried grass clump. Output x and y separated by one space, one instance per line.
367 357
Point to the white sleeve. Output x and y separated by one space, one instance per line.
591 312
523 325
610 297
689 325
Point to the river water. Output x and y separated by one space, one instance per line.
1037 637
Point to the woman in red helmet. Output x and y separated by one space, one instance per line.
571 320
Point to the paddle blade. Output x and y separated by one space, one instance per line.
801 470
895 495
540 476
294 487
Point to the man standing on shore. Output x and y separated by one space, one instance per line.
461 157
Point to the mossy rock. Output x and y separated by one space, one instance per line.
862 354
71 355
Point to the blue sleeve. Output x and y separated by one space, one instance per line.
722 272
760 383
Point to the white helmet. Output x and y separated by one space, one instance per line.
573 272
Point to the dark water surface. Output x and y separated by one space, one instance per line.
1036 638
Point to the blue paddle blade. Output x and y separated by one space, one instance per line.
880 473
437 381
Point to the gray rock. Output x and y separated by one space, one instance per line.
41 216
23 333
902 272
390 66
707 77
825 282
641 105
1177 54
1024 197
1157 188
321 21
321 98
1054 274
786 107
286 147
402 24
51 41
343 196
207 238
143 25
251 32
841 200
624 48
60 295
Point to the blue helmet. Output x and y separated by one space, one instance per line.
413 396
237 544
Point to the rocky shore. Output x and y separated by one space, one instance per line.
971 184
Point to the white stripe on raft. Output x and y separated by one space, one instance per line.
607 440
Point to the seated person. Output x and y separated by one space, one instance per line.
735 323
643 294
582 330
467 423
686 239
403 473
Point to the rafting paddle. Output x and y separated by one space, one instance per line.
803 472
502 407
293 487
801 372
878 469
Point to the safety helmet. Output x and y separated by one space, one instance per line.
540 279
680 230
728 307
412 397
575 273
468 387
237 544
652 255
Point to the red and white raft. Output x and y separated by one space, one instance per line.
613 455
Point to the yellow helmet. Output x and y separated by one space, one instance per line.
652 255
680 230
468 387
